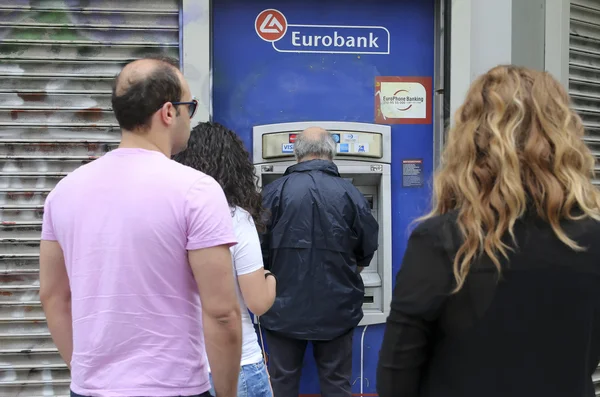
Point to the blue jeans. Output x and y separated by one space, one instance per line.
73 394
252 382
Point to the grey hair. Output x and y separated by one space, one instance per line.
322 147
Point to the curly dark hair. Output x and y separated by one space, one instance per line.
220 153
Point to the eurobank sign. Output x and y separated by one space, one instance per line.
272 26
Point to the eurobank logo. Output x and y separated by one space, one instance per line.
272 26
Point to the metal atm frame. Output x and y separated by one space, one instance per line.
378 282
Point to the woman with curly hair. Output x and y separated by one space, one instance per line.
219 153
499 290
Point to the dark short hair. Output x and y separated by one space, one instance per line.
142 98
218 152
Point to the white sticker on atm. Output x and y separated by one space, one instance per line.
287 148
350 137
361 148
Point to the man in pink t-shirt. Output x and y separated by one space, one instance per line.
135 267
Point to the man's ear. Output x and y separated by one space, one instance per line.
168 113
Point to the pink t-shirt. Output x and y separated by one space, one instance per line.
125 223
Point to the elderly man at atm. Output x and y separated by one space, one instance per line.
320 236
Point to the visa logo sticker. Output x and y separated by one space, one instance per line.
287 148
344 148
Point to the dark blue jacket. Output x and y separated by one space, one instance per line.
319 232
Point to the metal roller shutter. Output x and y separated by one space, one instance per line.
57 62
584 69
584 79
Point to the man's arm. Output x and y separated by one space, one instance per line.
55 294
367 229
221 316
209 235
269 203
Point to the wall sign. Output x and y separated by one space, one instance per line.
403 100
272 26
412 173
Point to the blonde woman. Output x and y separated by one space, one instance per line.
499 290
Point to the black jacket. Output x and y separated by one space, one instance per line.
534 332
319 232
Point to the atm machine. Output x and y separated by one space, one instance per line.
363 157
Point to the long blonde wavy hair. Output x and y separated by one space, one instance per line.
516 145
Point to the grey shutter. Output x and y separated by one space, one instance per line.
57 62
584 69
584 79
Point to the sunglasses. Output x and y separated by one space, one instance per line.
192 106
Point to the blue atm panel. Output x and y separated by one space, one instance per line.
371 62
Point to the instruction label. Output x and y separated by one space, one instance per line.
412 173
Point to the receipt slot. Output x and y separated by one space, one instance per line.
363 157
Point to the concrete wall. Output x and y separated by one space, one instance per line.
486 33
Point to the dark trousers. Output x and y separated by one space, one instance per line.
333 359
207 394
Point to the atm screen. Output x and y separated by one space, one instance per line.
268 178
